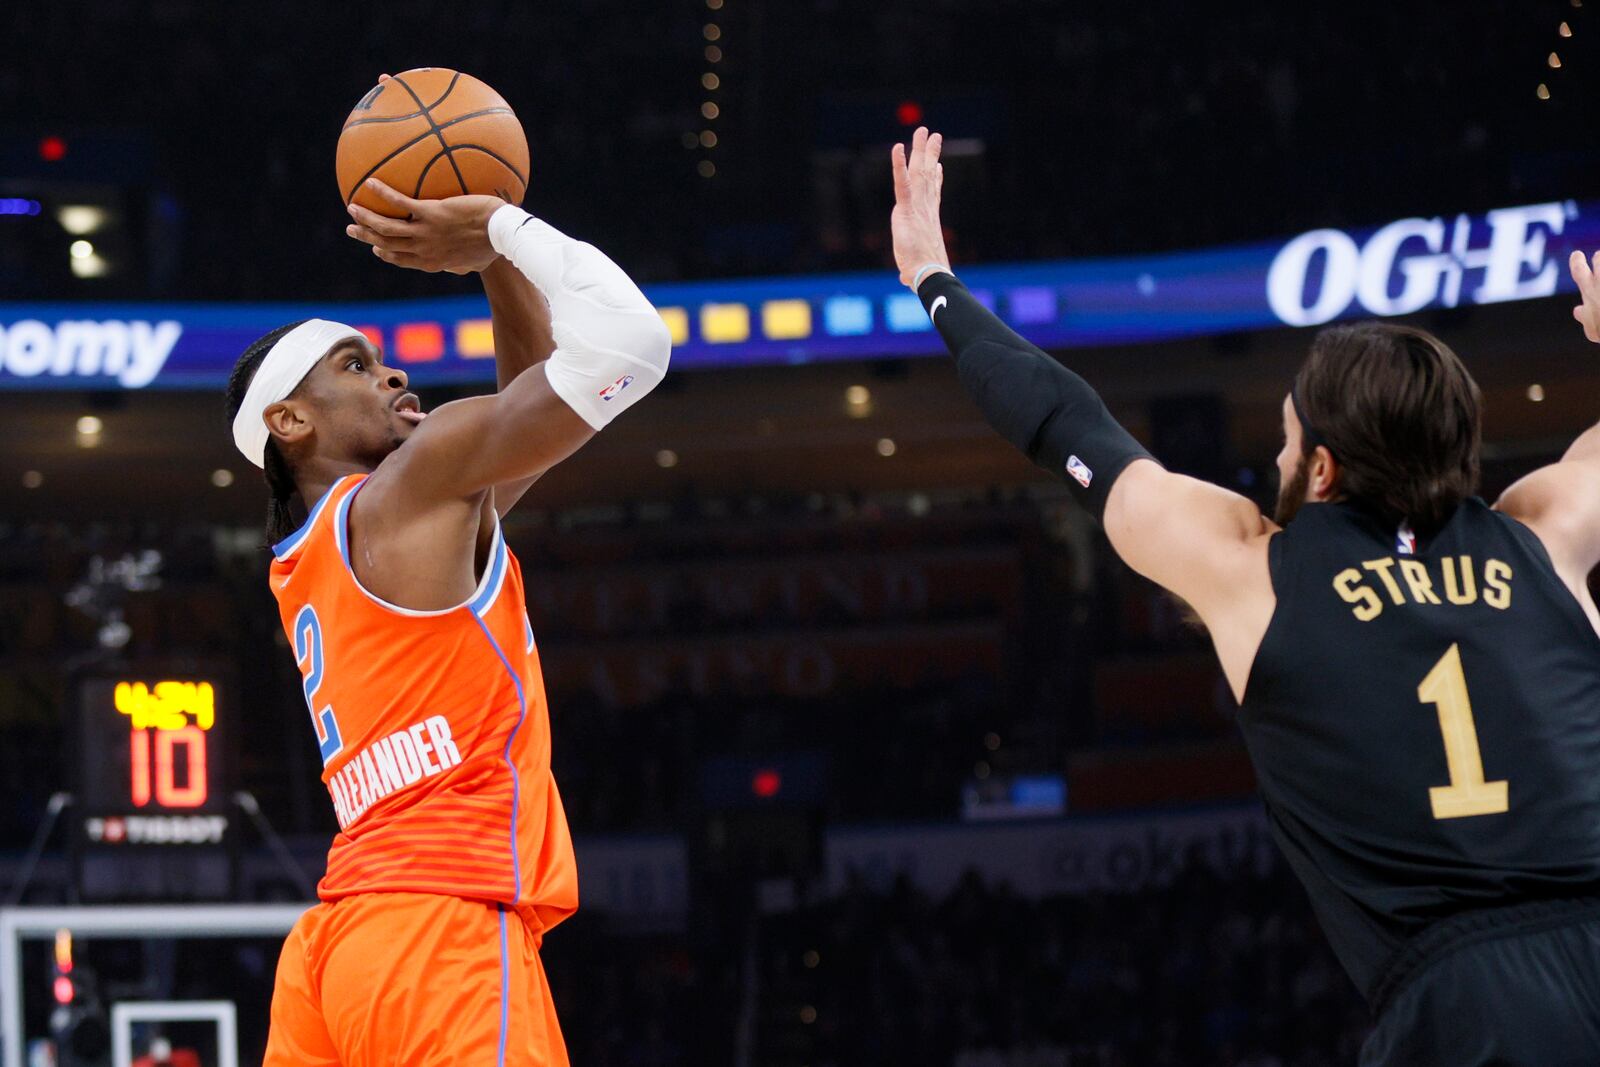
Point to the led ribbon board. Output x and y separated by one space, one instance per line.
1514 253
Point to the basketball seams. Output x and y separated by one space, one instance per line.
447 90
422 113
404 158
383 118
435 127
446 124
422 109
419 138
492 154
416 194
389 118
428 112
376 167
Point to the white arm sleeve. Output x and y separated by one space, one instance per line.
611 346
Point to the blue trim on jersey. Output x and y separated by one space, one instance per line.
516 786
505 988
340 517
497 567
292 542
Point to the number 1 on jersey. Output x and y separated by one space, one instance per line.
1467 794
308 654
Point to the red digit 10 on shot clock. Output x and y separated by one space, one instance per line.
168 723
152 757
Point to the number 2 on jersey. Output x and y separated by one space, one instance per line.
308 654
1467 794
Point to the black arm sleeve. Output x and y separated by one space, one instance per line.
1041 407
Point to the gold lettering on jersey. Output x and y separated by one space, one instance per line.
1417 580
1382 567
1462 591
1497 584
390 764
1347 583
1468 794
1457 575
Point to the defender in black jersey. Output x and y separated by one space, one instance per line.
1418 673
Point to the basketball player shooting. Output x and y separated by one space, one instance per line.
405 612
1418 673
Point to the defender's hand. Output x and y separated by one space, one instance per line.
450 234
918 237
1588 312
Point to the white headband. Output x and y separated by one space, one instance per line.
285 366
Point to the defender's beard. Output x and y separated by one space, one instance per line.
1292 493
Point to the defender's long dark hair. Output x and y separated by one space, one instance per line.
1400 413
280 479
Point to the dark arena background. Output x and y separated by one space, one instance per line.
872 751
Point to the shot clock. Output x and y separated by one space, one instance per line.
154 798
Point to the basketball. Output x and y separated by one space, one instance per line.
431 133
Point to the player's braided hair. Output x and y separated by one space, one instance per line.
280 478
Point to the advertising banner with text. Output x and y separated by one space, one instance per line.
1512 253
1097 854
646 876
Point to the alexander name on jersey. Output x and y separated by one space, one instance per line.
390 764
1459 580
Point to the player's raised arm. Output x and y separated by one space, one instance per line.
610 346
518 312
1561 502
519 316
1198 540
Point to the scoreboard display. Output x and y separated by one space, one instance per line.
154 793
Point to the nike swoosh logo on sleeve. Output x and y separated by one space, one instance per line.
938 302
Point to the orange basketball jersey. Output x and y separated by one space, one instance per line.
434 733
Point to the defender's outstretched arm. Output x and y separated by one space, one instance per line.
1195 539
1561 502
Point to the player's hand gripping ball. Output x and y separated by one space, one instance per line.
432 133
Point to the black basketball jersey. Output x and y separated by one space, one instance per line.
1424 720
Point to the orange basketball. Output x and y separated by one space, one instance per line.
432 133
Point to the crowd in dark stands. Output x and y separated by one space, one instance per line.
1211 971
1074 129
914 645
893 643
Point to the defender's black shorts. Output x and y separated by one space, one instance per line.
1518 994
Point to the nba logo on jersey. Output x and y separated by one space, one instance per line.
1405 541
1079 471
616 387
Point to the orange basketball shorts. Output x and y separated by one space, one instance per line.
413 979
